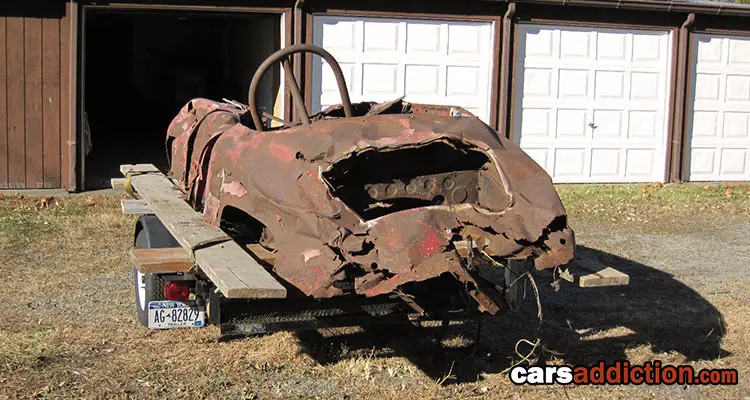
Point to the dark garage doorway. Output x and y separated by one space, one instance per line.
141 66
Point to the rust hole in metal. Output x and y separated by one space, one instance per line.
374 182
241 226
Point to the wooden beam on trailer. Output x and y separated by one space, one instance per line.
176 259
234 272
164 260
138 168
135 207
117 183
185 224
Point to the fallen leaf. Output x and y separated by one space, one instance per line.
45 202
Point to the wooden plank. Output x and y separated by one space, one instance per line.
187 225
589 271
3 110
117 183
67 62
33 102
137 168
15 103
235 272
165 260
135 207
51 102
605 277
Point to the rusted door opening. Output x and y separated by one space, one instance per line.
140 66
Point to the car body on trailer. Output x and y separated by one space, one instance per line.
367 209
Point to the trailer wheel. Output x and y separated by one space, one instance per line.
150 234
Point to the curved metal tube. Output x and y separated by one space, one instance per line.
299 101
296 95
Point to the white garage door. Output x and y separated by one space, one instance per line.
719 130
590 103
428 61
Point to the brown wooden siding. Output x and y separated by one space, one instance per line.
3 107
34 100
68 69
15 103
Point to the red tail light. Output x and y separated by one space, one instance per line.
177 291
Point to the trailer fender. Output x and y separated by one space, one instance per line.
156 234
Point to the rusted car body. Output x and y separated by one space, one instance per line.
369 204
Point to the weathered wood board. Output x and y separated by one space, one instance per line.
117 183
135 207
164 260
234 272
605 277
587 271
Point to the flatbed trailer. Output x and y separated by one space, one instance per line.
174 244
230 285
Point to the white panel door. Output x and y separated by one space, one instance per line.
428 61
590 103
719 118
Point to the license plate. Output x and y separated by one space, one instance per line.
174 314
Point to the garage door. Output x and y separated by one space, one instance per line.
590 103
428 61
719 128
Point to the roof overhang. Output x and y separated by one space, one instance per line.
698 7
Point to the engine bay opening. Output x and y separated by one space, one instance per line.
376 182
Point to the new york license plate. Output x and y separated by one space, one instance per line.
174 314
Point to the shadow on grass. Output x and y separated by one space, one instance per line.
655 310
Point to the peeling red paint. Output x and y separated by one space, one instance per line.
394 239
234 154
432 243
257 139
310 253
282 152
234 188
211 209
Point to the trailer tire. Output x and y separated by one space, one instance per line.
150 233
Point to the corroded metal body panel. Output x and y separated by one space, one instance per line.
380 199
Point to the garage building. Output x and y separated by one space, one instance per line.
593 90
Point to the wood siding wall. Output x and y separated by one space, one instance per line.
34 100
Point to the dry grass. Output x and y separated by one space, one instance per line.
68 327
655 207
